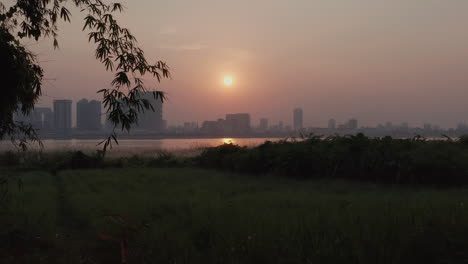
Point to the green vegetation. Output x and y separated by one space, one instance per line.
188 215
358 158
337 200
379 160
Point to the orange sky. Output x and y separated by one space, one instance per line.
376 60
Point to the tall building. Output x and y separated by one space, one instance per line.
427 127
151 120
88 115
48 119
280 126
62 116
263 124
35 117
332 124
353 123
298 119
41 118
210 127
238 123
190 127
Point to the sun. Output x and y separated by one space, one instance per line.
228 141
228 80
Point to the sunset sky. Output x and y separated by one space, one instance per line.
376 60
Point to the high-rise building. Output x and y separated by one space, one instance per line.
280 126
353 123
427 127
263 124
151 120
332 124
62 116
36 117
42 118
298 119
190 127
88 115
48 119
238 123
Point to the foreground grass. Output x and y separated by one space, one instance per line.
200 216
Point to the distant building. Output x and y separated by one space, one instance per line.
190 127
48 119
427 127
462 128
35 117
108 125
42 118
212 127
151 120
263 126
20 117
332 124
298 119
62 116
234 124
353 123
88 115
238 124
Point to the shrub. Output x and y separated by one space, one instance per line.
357 157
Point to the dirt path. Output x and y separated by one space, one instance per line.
68 220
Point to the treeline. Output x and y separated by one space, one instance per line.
357 157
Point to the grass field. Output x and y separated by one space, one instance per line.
191 215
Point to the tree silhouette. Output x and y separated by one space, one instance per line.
116 48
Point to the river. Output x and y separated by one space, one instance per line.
128 147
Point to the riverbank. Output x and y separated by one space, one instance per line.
359 158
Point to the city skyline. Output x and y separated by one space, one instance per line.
257 119
58 120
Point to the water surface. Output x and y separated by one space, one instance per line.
142 146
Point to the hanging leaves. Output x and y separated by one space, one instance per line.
116 48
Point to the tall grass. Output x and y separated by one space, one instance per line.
201 216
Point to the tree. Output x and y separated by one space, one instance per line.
116 48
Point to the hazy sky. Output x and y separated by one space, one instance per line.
376 60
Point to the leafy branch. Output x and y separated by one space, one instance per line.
116 48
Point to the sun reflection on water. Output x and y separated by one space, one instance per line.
229 141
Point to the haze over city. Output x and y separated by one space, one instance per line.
378 61
248 131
